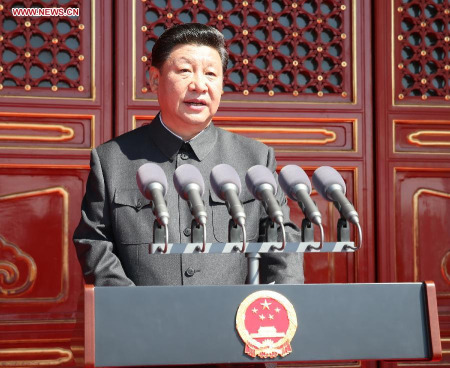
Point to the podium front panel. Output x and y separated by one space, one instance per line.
174 325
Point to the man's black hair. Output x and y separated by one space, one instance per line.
188 34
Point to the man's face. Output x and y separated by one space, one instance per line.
189 87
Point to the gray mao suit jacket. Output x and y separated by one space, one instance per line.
113 236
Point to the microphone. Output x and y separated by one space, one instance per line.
190 186
226 184
152 183
329 183
261 183
295 183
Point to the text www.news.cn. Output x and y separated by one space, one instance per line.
45 12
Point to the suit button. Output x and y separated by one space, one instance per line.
184 156
189 272
187 231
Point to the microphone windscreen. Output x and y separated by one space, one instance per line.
290 176
258 175
187 174
224 174
150 173
324 177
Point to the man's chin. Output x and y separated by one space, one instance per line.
199 120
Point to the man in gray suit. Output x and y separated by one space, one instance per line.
188 63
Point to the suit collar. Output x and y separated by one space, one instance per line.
169 144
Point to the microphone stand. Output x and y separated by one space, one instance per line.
343 230
160 235
253 268
270 235
307 230
234 233
198 234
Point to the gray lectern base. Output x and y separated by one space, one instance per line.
143 326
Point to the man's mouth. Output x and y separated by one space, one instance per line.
195 102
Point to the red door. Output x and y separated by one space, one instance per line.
55 106
412 150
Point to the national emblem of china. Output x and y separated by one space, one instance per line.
266 322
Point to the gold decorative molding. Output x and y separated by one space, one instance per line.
63 294
416 228
355 364
329 135
413 138
38 322
9 271
422 128
445 267
65 133
62 356
44 166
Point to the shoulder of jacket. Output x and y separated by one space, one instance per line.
233 138
131 138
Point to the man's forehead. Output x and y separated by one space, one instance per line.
193 53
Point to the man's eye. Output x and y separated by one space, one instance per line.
184 70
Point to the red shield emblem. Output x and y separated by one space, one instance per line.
266 322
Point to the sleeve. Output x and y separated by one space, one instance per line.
93 238
286 268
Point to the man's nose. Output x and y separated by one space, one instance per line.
198 83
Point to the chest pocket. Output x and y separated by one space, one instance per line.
220 216
133 217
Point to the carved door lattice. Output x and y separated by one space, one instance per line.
49 55
276 47
422 50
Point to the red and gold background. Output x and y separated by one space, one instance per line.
360 85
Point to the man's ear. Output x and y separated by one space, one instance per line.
154 79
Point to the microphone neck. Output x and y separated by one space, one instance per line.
342 203
193 194
306 204
191 188
333 189
234 205
262 191
273 209
153 188
226 189
155 193
300 187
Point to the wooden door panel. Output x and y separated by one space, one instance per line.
412 153
422 234
55 106
36 250
41 282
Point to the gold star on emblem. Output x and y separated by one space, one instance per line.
270 316
254 310
277 310
265 304
261 317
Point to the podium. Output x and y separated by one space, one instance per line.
194 325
